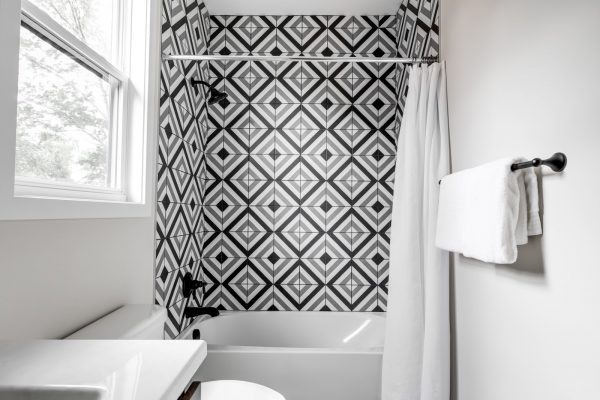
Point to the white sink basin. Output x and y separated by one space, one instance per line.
53 393
98 369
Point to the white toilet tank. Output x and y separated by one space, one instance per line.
133 321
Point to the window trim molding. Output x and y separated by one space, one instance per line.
141 103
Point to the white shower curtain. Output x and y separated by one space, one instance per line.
416 358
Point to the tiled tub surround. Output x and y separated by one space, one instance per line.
298 196
181 160
287 197
299 164
304 35
418 36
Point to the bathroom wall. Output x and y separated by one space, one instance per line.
523 80
297 204
181 163
57 276
300 160
280 198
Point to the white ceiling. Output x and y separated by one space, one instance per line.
302 7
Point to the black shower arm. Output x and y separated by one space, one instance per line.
199 82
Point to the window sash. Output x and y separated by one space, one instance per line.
47 26
44 25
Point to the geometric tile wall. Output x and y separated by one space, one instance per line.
299 163
304 35
418 36
280 197
181 159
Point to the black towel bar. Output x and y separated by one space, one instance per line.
558 163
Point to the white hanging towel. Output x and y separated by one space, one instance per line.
487 211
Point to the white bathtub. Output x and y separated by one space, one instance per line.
302 355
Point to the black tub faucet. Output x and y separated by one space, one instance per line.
192 312
190 285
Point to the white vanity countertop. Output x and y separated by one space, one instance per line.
127 369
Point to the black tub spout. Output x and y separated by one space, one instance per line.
192 312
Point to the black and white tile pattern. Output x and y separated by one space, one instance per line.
305 35
181 159
418 36
294 159
280 198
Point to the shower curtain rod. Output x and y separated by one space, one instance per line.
211 57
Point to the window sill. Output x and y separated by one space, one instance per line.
26 187
41 208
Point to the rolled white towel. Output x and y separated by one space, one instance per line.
487 211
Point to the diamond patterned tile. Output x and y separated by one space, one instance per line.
312 297
234 271
312 245
263 91
261 218
314 117
287 219
260 297
289 38
313 168
364 298
262 167
339 297
314 142
280 197
314 91
313 193
264 40
260 244
285 270
260 271
289 90
312 272
286 297
233 297
339 244
262 116
315 38
313 70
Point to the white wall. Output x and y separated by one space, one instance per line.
56 276
524 79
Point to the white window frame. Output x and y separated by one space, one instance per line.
46 26
137 94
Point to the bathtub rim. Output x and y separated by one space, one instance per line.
292 350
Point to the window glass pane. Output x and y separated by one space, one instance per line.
63 121
91 21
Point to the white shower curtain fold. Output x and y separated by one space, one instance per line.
416 358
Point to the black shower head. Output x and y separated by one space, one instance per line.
216 96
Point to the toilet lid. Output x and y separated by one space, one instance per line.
237 390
